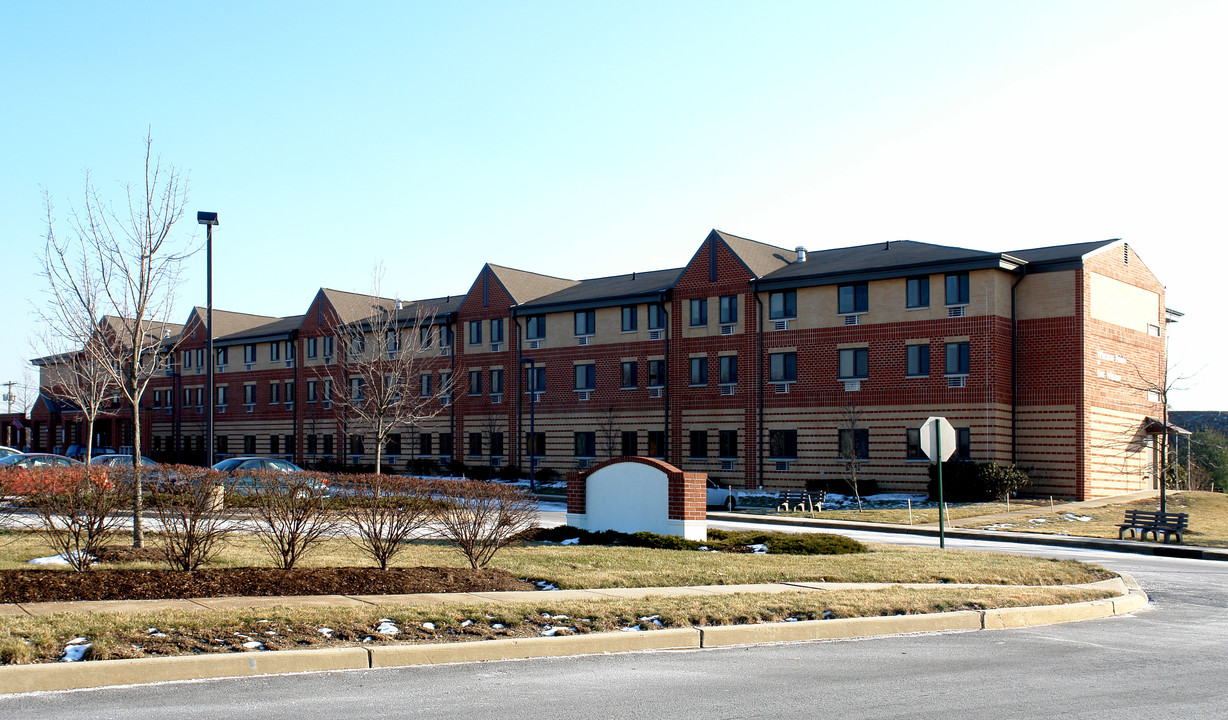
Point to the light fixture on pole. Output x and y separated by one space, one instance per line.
208 219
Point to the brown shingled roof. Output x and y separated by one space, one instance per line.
525 286
352 307
759 258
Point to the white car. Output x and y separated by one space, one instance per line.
721 496
6 451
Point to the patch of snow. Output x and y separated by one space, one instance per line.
654 619
387 627
496 626
1078 518
790 619
1037 520
633 628
758 548
545 585
467 623
551 631
50 560
326 632
828 614
155 632
573 541
254 645
270 632
425 626
75 650
561 617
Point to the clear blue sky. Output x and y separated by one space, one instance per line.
586 139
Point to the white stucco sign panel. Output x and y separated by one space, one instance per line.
628 497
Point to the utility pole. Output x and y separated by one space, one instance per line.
9 395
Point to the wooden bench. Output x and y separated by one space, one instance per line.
1141 522
800 500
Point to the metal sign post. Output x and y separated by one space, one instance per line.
938 443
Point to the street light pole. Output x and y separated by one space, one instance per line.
208 219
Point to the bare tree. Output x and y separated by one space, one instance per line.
76 511
849 450
387 512
194 520
291 514
69 329
137 260
481 518
383 358
610 439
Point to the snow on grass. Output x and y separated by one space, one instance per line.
52 560
573 541
75 650
758 548
326 632
388 627
426 626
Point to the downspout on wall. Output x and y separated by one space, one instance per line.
1015 367
661 299
754 288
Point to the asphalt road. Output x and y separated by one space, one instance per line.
1166 661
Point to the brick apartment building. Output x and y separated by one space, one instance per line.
761 366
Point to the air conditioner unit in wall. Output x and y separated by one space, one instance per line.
656 334
852 319
780 325
726 329
654 392
582 341
535 344
496 347
783 388
582 395
956 312
728 389
727 464
957 382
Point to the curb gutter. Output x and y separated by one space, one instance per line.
1124 546
46 677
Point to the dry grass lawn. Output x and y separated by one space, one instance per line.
152 634
1208 519
588 566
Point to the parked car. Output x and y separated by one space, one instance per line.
37 460
157 478
721 496
243 484
77 452
7 451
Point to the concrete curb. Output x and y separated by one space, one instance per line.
47 677
1124 546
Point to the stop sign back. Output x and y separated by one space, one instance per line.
935 429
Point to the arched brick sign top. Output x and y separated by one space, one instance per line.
637 493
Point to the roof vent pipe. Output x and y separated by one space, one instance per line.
400 304
801 254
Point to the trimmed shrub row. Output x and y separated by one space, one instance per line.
779 543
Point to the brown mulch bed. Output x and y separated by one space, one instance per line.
25 586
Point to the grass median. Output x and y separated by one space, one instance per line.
169 633
154 633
